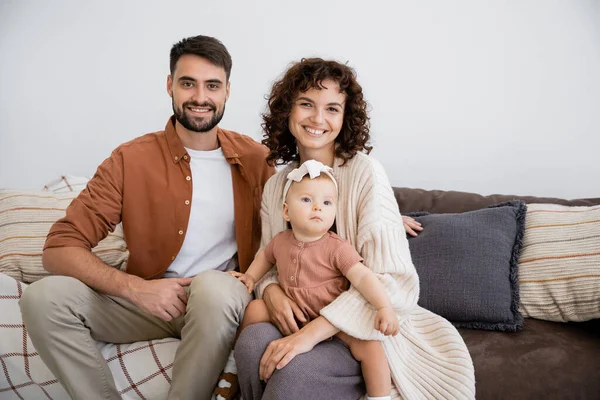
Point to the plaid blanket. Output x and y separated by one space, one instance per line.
141 370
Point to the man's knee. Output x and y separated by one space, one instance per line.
218 291
50 295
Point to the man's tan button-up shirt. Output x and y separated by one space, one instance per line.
147 185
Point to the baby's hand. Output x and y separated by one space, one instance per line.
387 322
245 279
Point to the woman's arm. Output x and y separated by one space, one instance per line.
280 352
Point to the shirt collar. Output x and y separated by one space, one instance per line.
175 146
231 149
229 144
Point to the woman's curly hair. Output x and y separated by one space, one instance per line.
308 74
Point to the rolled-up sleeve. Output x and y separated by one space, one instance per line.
95 212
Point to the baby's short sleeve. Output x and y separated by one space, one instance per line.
345 257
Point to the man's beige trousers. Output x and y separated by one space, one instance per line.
64 318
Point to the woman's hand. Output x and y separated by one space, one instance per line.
281 351
411 225
282 310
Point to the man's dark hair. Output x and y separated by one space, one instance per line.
202 46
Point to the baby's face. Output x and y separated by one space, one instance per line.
311 205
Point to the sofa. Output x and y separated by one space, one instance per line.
545 360
537 360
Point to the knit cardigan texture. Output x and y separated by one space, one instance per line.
428 358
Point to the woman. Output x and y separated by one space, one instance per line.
317 111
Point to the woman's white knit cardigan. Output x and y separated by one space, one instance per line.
428 358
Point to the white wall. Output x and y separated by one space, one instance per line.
483 96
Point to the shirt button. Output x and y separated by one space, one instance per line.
180 232
188 178
235 154
172 258
295 260
187 202
292 277
299 244
176 158
185 157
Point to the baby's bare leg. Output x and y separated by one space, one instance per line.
374 364
256 312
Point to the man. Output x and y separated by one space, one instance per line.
189 200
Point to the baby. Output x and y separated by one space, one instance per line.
316 265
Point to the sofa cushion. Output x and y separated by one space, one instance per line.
442 201
141 370
467 265
546 360
559 268
66 184
25 220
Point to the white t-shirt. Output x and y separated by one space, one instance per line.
209 242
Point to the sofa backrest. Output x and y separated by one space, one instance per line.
440 201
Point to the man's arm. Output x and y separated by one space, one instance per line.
163 298
84 265
95 212
89 218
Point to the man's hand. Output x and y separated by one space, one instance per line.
411 225
246 279
386 321
282 310
164 298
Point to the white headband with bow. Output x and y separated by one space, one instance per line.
313 169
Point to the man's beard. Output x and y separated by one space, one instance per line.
198 124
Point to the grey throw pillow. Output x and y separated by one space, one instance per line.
467 265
